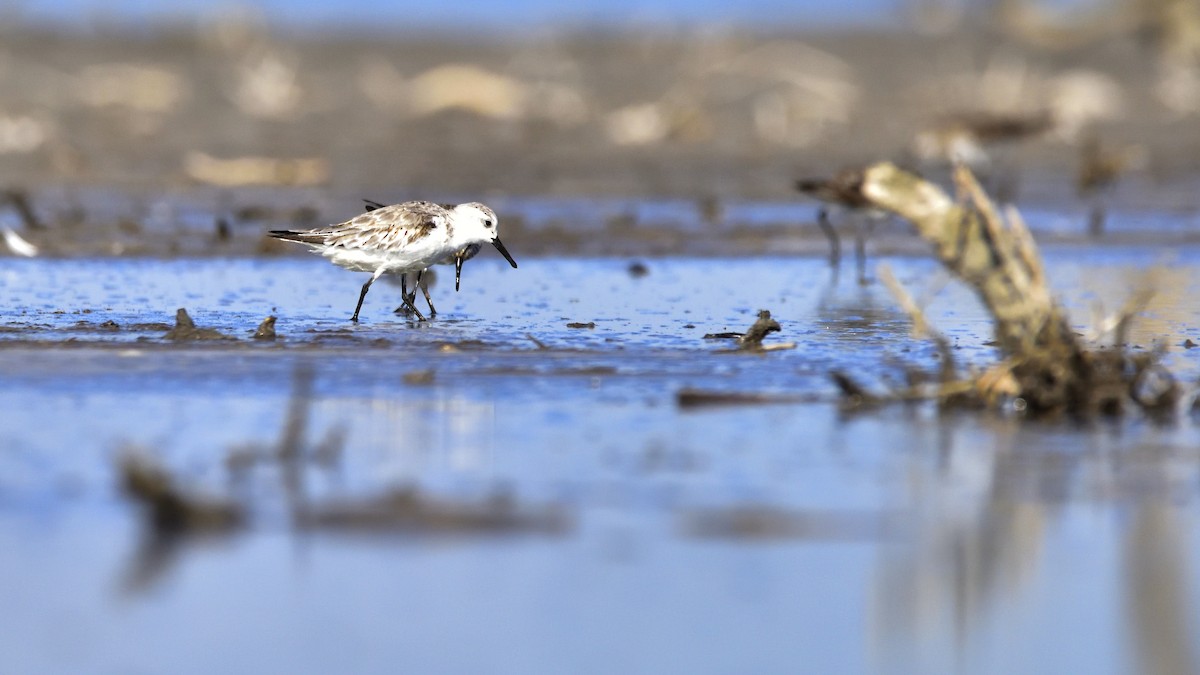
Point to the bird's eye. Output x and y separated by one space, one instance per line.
487 223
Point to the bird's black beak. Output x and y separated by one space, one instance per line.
504 252
458 261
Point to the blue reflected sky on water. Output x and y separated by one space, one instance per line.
989 545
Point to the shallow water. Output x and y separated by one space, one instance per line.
769 538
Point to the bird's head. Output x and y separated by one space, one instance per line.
476 223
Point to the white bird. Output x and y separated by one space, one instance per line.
401 238
462 255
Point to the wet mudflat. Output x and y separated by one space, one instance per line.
500 491
561 473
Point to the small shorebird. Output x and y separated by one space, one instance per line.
401 238
843 191
1100 168
964 137
457 259
978 139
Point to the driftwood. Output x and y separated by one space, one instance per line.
1046 367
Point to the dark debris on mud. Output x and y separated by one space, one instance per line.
751 341
266 329
185 329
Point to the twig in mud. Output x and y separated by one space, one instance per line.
185 330
266 329
752 339
1118 324
761 327
535 341
921 327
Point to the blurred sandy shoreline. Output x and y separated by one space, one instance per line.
234 117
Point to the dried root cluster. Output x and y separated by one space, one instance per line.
1046 367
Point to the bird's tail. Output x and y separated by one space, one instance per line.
302 237
810 185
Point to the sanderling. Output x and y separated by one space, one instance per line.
457 259
844 191
401 238
964 137
1100 168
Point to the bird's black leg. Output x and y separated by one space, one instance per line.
860 256
865 230
361 296
1096 219
409 300
412 297
403 308
425 290
835 244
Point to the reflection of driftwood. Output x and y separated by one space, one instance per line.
1156 593
700 398
174 517
406 510
760 523
172 511
1046 367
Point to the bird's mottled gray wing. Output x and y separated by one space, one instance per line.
392 227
